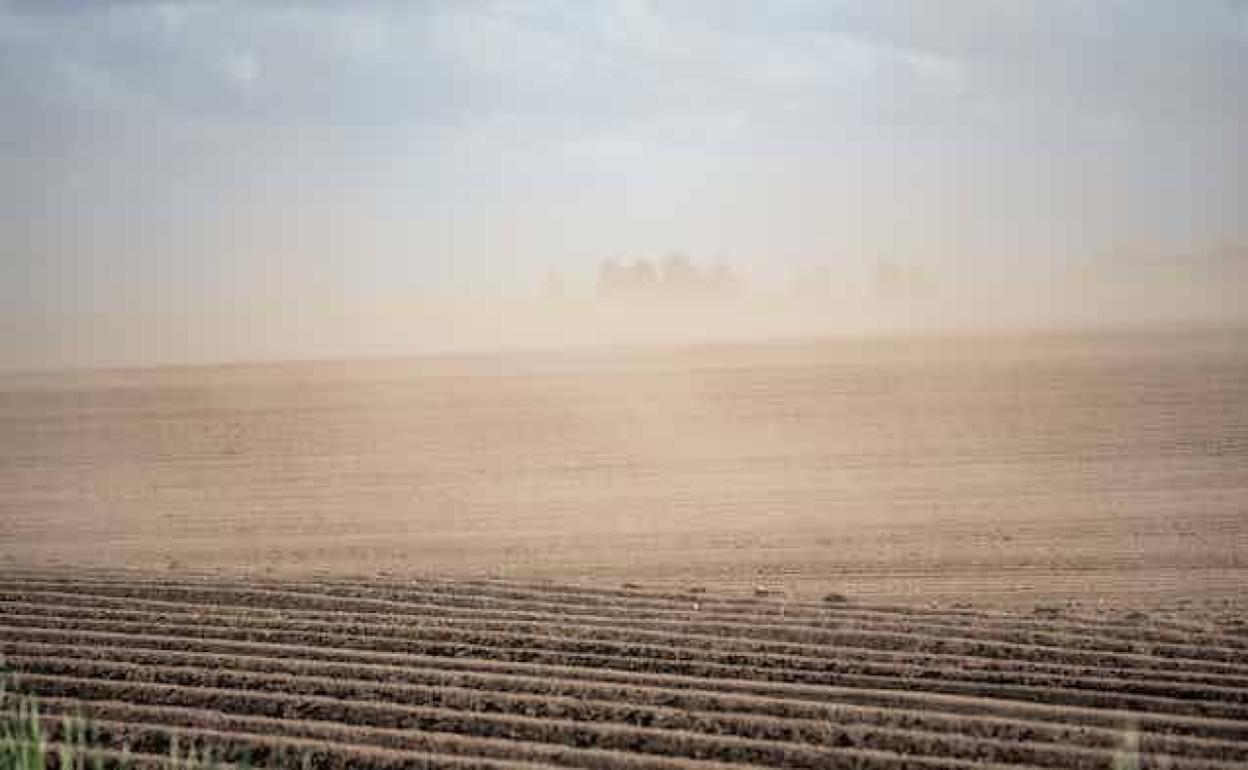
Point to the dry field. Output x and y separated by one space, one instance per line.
338 673
1003 472
892 553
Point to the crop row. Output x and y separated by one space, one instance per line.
792 639
391 597
914 641
625 654
151 744
1163 680
435 673
406 722
1066 635
730 714
401 706
777 609
631 672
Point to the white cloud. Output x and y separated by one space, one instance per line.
360 36
499 46
86 85
13 28
942 73
240 68
633 25
790 64
172 16
848 57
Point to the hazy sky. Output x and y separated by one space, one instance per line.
158 156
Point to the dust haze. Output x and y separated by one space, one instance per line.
177 190
1185 291
622 384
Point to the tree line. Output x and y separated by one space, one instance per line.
673 277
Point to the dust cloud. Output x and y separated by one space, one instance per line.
643 302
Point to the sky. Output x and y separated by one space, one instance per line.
255 161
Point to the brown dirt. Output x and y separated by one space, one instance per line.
350 673
1045 472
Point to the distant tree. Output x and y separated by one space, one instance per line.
610 279
553 289
889 278
907 280
723 281
676 278
814 284
679 275
643 279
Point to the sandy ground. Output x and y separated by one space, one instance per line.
1007 471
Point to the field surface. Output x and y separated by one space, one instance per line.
339 672
1003 471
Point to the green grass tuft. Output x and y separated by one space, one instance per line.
26 745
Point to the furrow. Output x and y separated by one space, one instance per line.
836 751
161 737
688 700
1051 635
561 666
806 640
518 646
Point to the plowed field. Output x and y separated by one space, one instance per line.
490 673
1005 472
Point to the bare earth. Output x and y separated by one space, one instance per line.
905 553
1002 471
339 673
